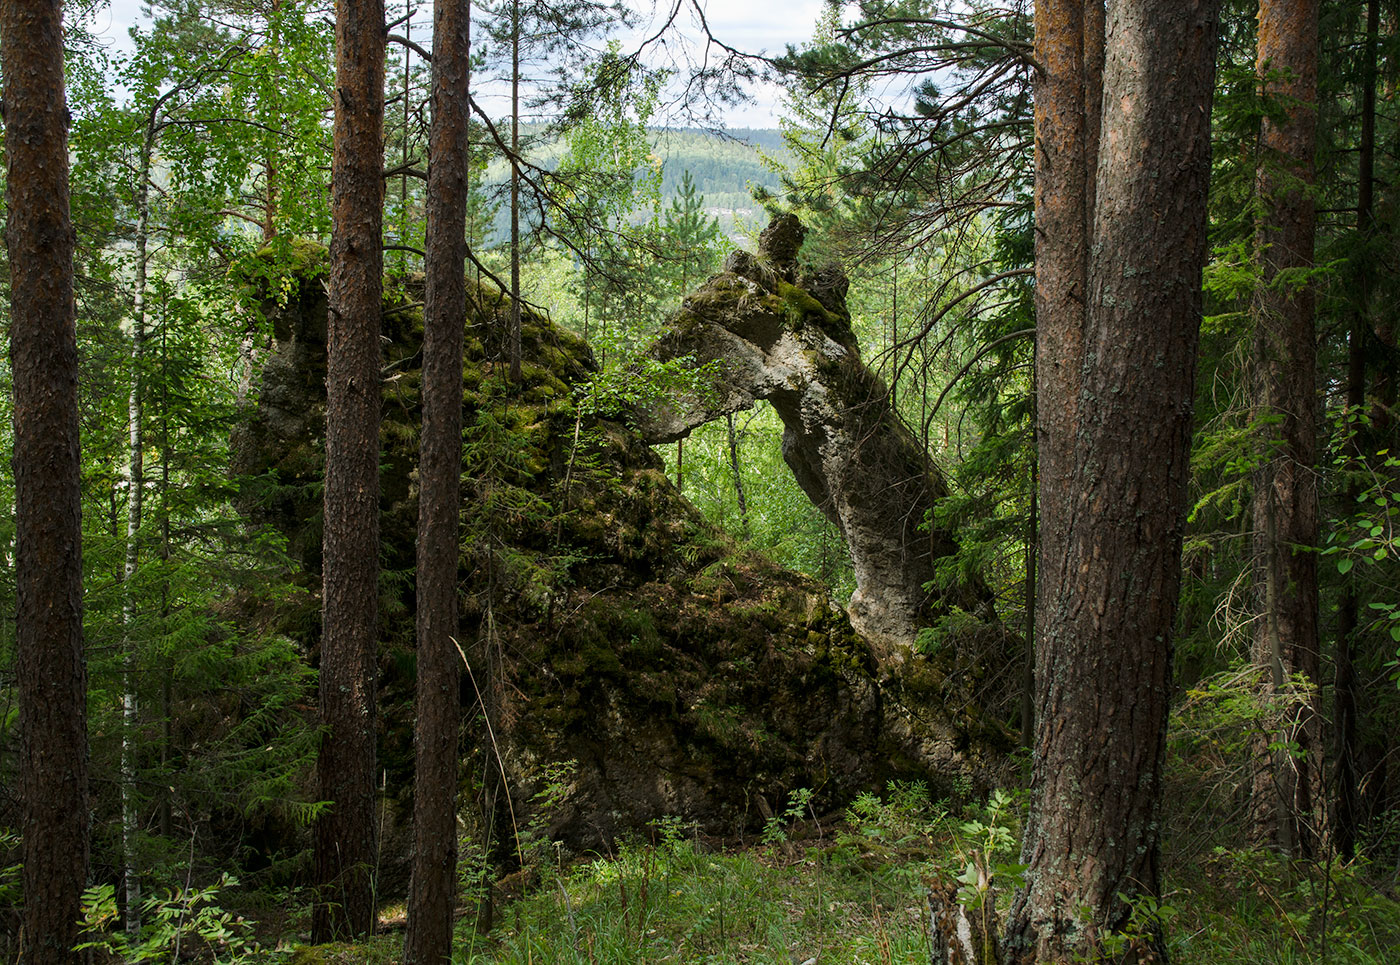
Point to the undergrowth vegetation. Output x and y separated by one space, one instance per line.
810 889
851 888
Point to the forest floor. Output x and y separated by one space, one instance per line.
851 889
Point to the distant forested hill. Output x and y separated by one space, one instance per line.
723 167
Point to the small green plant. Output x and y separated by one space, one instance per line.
9 874
669 835
1141 934
180 922
775 829
532 842
988 840
905 817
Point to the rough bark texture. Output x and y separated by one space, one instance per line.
433 891
346 833
788 340
1104 653
53 764
1063 169
1288 786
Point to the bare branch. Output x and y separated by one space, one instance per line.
416 48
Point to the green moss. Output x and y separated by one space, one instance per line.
801 308
283 257
621 614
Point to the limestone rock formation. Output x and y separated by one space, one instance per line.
787 339
606 623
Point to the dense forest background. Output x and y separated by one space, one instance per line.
612 587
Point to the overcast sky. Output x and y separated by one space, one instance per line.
749 25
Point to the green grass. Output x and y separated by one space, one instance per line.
1251 906
832 896
679 904
853 891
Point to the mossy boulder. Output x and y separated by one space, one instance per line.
605 622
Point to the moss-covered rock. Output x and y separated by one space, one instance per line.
606 623
774 334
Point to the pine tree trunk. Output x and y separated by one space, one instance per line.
1032 589
1288 785
1104 639
346 835
738 475
433 886
49 666
1066 98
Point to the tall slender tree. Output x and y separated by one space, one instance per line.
136 488
1288 786
544 44
346 835
53 770
1103 653
1346 691
433 885
513 335
155 121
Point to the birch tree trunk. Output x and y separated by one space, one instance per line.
136 483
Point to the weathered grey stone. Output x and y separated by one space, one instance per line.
847 448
